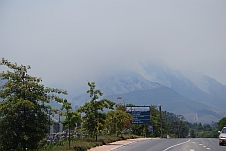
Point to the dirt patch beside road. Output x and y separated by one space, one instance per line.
115 145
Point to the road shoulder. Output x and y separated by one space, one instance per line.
115 145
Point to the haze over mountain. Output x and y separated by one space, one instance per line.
207 84
155 84
198 97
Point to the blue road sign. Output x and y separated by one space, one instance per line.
141 114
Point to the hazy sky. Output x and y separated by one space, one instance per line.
68 42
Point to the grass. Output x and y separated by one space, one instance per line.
86 144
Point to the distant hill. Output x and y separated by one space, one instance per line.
192 89
156 85
170 101
208 84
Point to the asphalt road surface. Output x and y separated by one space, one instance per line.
183 144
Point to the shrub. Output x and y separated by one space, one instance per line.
103 141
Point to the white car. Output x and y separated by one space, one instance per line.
222 136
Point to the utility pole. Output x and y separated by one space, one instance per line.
160 110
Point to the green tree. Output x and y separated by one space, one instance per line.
118 120
174 125
221 124
24 110
199 127
72 118
192 133
155 121
120 107
95 117
207 127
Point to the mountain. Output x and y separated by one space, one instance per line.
214 97
158 84
208 84
119 83
170 101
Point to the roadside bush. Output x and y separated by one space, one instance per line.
86 144
103 141
82 146
206 134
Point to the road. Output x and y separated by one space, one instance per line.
183 144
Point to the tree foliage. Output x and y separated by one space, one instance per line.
155 121
221 124
24 110
95 117
72 117
118 120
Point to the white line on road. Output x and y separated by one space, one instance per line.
176 145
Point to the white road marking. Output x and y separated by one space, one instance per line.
208 148
192 150
176 145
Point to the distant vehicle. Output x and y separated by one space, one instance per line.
222 136
166 136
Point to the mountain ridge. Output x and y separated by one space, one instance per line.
154 77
